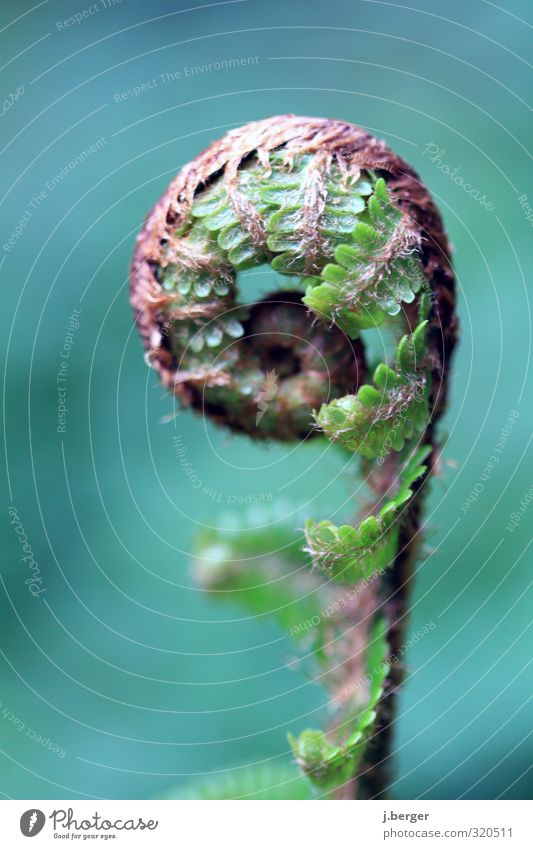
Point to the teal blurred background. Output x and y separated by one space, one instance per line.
135 677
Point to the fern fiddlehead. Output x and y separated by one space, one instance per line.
342 217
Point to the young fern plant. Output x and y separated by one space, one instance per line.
348 222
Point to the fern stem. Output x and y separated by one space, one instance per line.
375 772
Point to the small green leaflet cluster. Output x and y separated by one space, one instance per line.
262 569
329 765
381 417
232 540
276 200
269 781
203 278
348 554
218 216
375 270
292 192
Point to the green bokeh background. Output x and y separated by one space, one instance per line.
123 663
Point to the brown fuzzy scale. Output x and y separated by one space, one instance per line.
354 149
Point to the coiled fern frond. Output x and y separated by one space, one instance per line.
356 235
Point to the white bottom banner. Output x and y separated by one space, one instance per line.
267 824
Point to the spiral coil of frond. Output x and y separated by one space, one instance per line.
361 244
